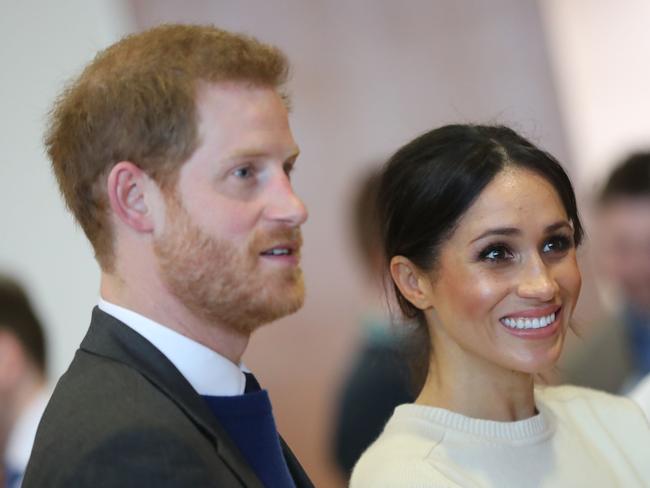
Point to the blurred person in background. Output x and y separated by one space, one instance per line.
378 379
617 355
23 386
173 151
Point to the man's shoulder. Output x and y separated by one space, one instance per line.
127 456
98 396
104 412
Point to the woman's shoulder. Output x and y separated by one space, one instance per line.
586 403
641 395
399 458
387 468
569 394
612 425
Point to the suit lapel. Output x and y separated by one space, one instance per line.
297 473
111 338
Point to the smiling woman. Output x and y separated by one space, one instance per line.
480 229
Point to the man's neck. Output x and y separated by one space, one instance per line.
160 306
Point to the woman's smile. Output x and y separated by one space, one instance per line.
507 279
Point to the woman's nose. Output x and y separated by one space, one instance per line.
537 281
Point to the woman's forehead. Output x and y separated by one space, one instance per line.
516 198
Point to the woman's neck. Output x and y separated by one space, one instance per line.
483 391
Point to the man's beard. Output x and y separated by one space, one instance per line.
222 283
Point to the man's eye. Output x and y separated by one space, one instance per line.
496 253
243 172
557 244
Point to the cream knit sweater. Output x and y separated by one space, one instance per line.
580 438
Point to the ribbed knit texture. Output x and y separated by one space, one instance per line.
527 431
580 438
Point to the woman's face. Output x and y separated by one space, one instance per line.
507 280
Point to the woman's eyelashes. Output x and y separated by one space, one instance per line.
557 244
496 253
500 252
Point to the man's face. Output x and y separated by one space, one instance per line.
230 247
623 247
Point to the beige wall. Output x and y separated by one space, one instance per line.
42 44
599 55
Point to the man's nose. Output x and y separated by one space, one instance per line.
284 205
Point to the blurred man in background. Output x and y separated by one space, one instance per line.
618 356
173 150
23 390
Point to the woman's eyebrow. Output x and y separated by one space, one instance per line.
558 225
500 231
508 231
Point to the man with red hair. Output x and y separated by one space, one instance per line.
173 150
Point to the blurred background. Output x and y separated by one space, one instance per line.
368 75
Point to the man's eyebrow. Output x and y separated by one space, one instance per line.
253 154
293 155
509 231
246 154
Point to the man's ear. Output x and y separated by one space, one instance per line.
412 282
127 185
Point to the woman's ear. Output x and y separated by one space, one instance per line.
412 282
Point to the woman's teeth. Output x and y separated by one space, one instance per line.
528 323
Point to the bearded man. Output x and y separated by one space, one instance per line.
173 151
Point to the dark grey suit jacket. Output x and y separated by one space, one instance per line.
124 416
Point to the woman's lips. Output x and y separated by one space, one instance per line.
535 323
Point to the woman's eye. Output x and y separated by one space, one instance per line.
496 254
557 244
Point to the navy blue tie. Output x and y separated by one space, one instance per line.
251 384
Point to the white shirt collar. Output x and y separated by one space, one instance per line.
21 437
208 372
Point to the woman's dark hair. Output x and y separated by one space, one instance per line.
429 184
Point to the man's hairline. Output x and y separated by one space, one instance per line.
278 86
